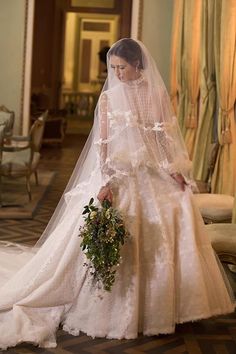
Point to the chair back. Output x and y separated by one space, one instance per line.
212 156
7 118
36 132
2 132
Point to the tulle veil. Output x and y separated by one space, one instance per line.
168 150
153 137
135 135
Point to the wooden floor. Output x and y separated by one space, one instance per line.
213 336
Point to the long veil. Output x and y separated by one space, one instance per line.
150 133
134 127
135 143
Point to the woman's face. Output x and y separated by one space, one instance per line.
122 69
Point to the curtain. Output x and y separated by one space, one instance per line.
174 45
181 64
192 47
207 93
185 66
224 176
203 49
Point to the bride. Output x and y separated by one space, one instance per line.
169 274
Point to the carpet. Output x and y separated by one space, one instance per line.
15 201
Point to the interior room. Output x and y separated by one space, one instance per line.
53 74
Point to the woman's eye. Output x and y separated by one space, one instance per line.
120 67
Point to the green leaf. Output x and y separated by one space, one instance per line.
86 210
106 204
103 236
91 201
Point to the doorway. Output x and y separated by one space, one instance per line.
66 71
86 35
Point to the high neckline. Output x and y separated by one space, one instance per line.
136 82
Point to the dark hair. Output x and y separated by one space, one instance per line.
103 54
129 50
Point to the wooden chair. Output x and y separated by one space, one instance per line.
205 186
214 208
7 118
21 156
223 239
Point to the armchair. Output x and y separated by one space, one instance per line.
223 239
215 208
21 156
7 118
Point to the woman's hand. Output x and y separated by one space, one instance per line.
179 179
105 193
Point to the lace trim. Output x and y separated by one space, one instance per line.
132 121
134 83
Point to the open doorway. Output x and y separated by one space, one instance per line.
66 44
87 36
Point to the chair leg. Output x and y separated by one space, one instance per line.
36 177
28 187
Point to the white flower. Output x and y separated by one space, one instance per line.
93 214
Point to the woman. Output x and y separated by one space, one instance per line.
135 158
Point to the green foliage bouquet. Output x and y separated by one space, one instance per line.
103 233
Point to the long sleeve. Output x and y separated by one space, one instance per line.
103 129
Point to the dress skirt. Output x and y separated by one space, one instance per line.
168 273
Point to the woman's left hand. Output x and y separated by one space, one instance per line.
105 193
179 179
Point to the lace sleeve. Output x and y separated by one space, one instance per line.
164 146
103 129
166 136
173 158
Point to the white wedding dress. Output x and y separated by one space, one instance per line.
169 273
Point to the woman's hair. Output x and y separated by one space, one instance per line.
129 50
103 54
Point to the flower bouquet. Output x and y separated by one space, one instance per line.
103 233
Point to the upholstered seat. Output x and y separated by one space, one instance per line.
215 208
20 157
19 162
223 240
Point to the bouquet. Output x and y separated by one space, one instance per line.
103 233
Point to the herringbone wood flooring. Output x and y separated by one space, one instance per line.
213 336
61 160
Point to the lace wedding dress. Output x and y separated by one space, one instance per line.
169 273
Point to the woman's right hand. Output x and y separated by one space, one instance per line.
180 180
105 193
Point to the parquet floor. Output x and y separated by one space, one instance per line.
212 336
61 160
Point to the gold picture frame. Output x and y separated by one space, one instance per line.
104 4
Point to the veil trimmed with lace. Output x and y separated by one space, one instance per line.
134 127
134 147
140 112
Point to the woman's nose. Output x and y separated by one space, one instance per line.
117 71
